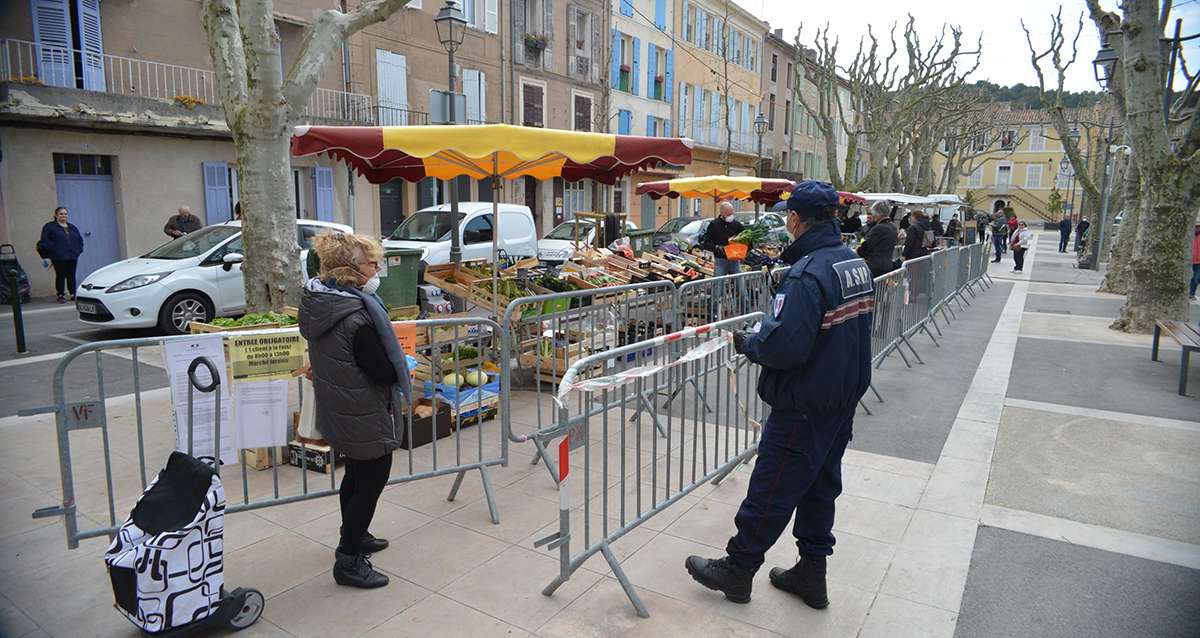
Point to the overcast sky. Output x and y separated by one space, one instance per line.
1005 58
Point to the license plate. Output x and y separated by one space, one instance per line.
85 308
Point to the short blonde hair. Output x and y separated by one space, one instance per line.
341 253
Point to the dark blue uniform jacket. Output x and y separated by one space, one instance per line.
815 343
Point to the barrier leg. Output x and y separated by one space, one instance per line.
925 327
864 407
487 493
545 457
624 580
732 466
911 349
933 320
872 387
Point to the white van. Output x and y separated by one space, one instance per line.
428 230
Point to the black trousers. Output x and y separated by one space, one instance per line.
64 273
362 484
1019 258
1063 240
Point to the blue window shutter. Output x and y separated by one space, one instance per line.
624 121
636 69
650 125
217 208
660 13
323 187
627 8
666 128
52 31
91 44
714 127
651 69
668 78
698 115
616 59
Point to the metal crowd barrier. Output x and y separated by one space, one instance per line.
117 451
919 298
613 473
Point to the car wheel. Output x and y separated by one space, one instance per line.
181 310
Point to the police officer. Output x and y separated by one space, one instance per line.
815 351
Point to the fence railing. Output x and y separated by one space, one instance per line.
31 62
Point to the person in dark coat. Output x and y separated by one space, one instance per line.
880 242
360 379
952 230
1064 233
814 348
939 229
1081 232
182 223
717 235
914 240
61 243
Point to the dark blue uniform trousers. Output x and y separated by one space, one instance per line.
798 471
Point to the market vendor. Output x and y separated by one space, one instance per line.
716 237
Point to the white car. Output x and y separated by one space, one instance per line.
191 278
428 230
559 244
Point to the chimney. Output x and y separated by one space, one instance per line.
779 33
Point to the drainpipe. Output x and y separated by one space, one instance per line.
350 213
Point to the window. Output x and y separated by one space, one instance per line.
1062 179
976 178
431 192
533 103
771 114
658 66
70 164
1037 139
577 197
787 117
582 112
391 205
579 60
478 230
979 142
1008 139
774 66
789 75
626 78
70 51
1033 176
689 27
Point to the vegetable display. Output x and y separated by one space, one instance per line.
750 236
255 319
554 284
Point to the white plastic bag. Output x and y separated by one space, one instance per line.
307 427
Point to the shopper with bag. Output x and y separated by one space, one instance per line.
1019 243
62 244
360 379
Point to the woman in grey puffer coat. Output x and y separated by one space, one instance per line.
360 378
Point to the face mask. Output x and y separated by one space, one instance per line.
371 286
788 228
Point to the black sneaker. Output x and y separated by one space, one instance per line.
806 579
355 570
721 574
370 544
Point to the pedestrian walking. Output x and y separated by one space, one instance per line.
1081 233
1064 233
953 230
1020 242
981 224
815 352
999 234
62 244
717 235
880 242
182 223
1195 262
360 376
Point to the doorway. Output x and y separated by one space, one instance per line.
84 185
531 200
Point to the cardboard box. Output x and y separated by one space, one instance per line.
423 424
320 457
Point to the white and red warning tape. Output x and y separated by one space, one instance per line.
630 375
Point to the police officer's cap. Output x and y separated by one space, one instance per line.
813 199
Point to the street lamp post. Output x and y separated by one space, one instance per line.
451 29
760 129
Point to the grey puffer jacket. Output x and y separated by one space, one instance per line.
352 412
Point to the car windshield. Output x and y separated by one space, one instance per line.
566 230
194 244
768 221
426 225
674 225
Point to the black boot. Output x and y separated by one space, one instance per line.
806 579
355 570
370 544
721 574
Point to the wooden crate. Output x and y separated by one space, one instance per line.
259 458
197 327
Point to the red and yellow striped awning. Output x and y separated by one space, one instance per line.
766 191
482 151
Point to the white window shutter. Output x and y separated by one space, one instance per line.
482 96
491 16
471 89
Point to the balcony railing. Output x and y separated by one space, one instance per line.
23 61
